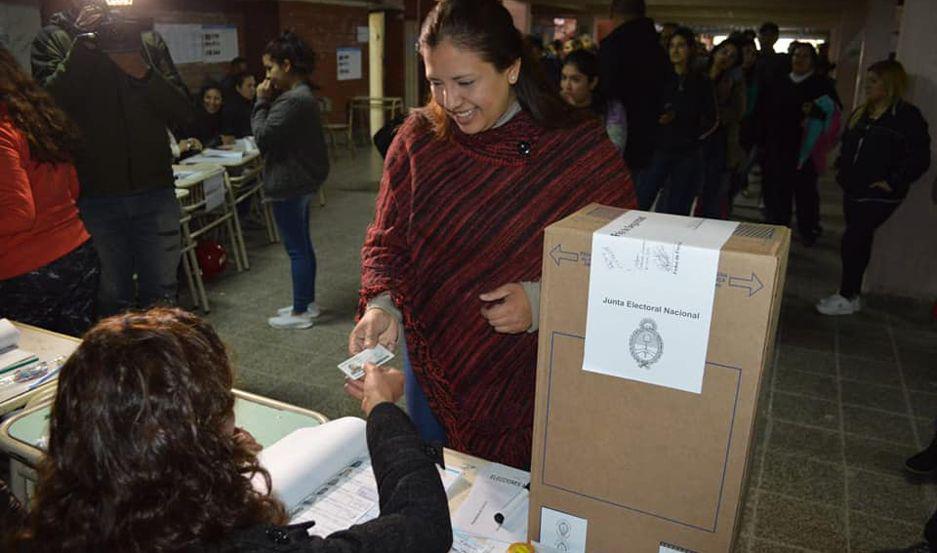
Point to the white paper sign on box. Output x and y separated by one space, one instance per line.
563 532
651 288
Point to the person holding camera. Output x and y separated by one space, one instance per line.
114 77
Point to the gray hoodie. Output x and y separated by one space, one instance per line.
288 132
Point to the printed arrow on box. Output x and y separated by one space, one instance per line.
753 284
558 255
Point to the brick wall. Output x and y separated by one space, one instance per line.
326 28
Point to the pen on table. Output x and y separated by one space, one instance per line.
505 512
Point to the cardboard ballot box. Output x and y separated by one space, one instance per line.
621 465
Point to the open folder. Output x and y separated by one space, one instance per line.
323 474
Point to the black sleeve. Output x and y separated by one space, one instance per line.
915 156
414 509
59 63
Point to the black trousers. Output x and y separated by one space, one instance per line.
785 186
59 296
862 218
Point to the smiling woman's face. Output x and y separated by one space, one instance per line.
471 90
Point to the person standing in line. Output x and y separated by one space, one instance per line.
288 130
48 268
115 78
633 70
580 81
785 109
455 251
722 152
885 148
688 118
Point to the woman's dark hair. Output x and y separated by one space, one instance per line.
585 62
211 85
288 46
486 28
798 45
725 44
244 75
141 456
687 35
51 135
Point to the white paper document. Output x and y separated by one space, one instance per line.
651 289
494 488
323 473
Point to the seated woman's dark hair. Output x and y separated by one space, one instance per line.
51 135
141 455
288 46
486 28
210 85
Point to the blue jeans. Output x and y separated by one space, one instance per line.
679 170
417 405
135 235
292 218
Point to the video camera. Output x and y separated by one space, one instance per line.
116 30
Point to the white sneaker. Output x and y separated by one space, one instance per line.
312 310
839 305
290 321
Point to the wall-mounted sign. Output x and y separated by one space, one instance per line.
349 63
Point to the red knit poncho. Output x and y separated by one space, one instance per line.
460 216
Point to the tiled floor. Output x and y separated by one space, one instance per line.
849 398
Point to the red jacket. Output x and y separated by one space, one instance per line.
38 219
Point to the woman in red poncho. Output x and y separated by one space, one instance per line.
454 253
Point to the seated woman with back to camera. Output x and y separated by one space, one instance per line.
178 479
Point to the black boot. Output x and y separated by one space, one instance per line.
924 462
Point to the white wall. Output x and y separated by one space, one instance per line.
19 23
904 259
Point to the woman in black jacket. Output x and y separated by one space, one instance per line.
144 456
687 118
885 148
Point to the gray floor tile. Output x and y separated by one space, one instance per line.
869 533
806 360
802 524
805 410
869 370
864 394
804 478
924 404
808 339
806 384
878 424
920 377
878 349
876 455
925 431
825 445
886 496
763 546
